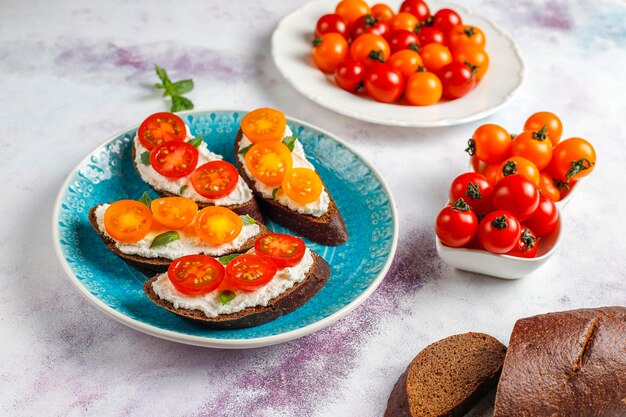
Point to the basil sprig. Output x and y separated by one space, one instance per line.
175 90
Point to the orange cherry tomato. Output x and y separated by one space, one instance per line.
554 127
382 11
573 159
127 221
435 56
302 185
328 51
369 49
423 89
264 125
490 143
534 146
351 10
217 225
160 128
518 165
474 55
195 274
215 179
250 271
268 162
491 173
547 187
284 250
174 212
406 61
463 35
404 21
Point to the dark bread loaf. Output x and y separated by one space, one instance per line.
251 208
328 229
448 377
285 303
570 363
149 266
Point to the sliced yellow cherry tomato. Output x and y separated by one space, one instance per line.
217 225
264 125
127 221
268 162
302 185
174 212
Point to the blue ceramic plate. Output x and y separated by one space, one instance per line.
107 174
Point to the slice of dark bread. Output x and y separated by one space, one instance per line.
285 303
448 377
328 229
570 363
151 265
251 208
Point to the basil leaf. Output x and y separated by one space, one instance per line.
145 158
180 87
275 192
145 199
224 260
196 141
162 75
182 189
247 219
157 85
290 141
180 103
226 297
164 239
243 151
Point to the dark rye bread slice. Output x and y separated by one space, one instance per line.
328 229
251 208
151 265
285 303
570 363
448 377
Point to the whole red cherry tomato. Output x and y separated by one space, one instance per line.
369 24
456 224
349 75
527 244
474 189
403 39
517 195
499 231
545 218
384 83
446 19
331 23
428 34
457 80
417 8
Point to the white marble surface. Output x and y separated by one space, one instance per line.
73 72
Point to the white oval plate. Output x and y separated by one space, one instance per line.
291 50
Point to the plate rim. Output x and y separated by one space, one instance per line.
210 342
443 122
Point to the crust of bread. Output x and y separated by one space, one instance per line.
285 303
328 229
150 266
251 208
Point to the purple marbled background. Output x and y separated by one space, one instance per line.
74 72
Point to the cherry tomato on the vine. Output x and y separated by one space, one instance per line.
384 83
446 19
423 88
349 75
499 231
329 50
545 218
457 79
331 23
517 195
456 224
527 244
474 189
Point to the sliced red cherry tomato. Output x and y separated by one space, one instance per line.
174 159
195 274
474 189
499 231
429 34
127 221
403 39
384 83
215 179
331 23
457 79
284 250
250 271
174 212
350 75
517 195
446 19
545 218
160 128
369 24
527 244
417 8
456 224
